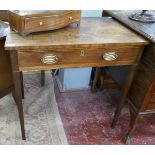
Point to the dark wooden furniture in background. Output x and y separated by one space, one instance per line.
145 29
5 57
6 78
28 21
96 42
6 81
142 92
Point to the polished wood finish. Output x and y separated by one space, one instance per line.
68 58
6 82
42 81
142 90
18 89
145 29
75 47
29 21
126 88
92 33
22 84
144 83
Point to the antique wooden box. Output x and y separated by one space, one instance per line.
29 21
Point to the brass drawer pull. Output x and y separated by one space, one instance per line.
49 59
110 56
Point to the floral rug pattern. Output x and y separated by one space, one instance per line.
42 120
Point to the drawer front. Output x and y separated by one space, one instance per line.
51 22
67 58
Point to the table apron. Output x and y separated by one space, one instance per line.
75 58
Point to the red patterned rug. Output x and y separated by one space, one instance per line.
87 116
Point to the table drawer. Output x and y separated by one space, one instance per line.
42 23
30 60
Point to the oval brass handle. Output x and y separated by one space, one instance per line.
49 59
110 56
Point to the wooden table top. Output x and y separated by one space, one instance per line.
31 13
145 29
94 32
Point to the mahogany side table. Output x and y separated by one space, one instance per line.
97 42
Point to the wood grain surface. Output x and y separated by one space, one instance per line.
28 21
94 32
73 58
5 69
75 47
145 29
6 81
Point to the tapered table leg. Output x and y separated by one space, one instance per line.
18 97
42 78
22 84
97 73
133 119
124 94
17 89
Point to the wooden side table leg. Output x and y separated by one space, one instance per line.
18 98
101 81
17 89
133 119
22 84
124 94
42 78
97 72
